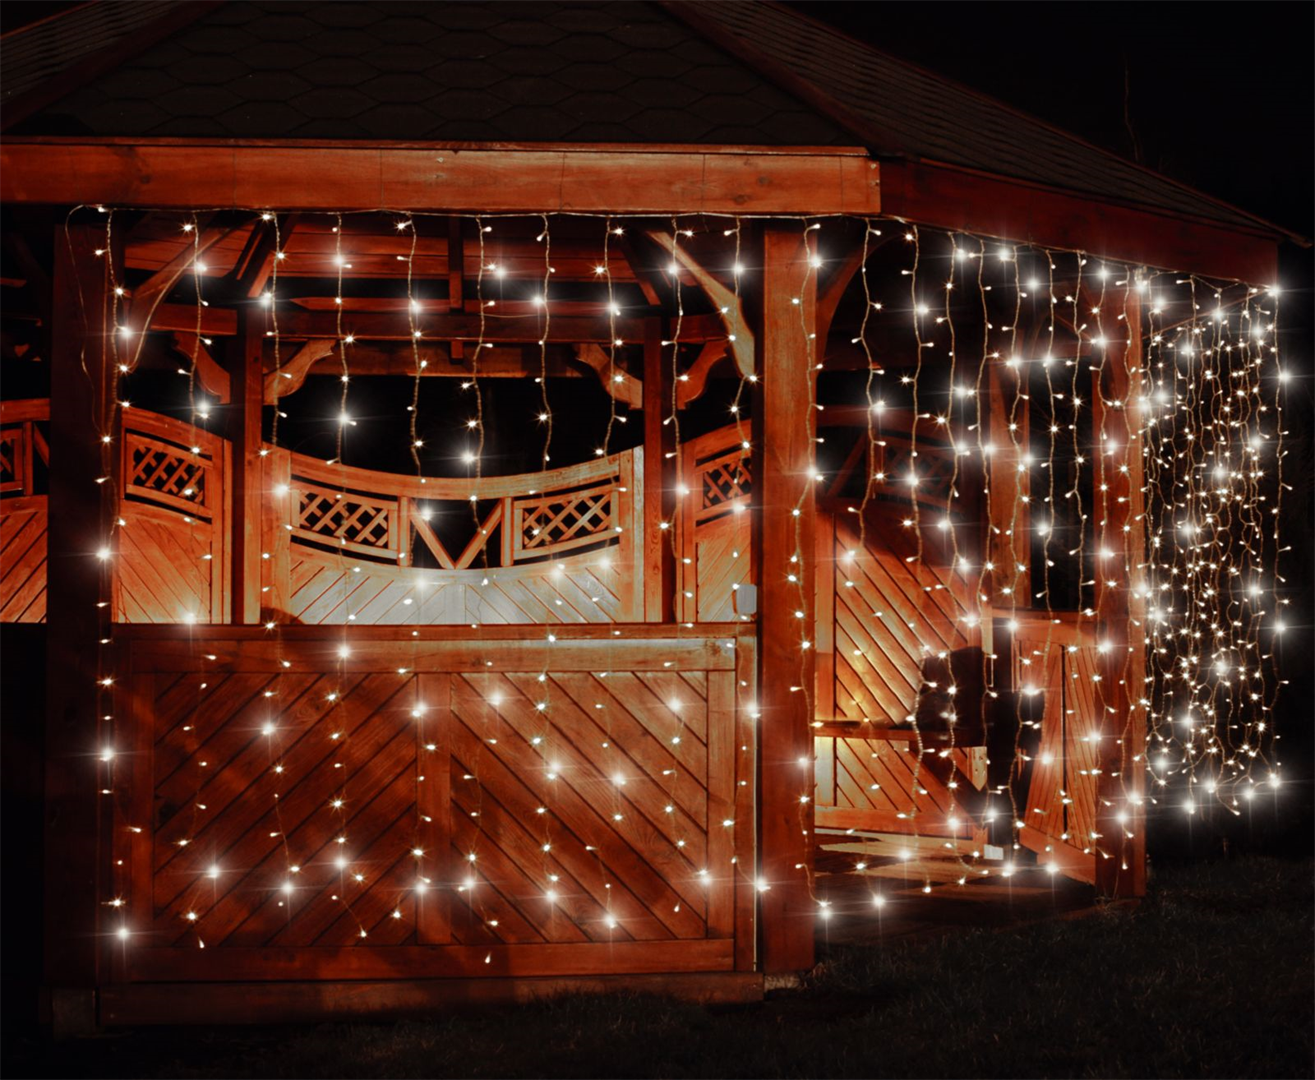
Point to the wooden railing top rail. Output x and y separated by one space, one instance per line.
855 729
1059 628
146 422
408 649
15 412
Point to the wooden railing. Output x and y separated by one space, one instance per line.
24 454
483 804
171 564
383 516
22 443
172 464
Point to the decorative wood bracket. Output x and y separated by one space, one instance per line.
739 337
213 378
290 376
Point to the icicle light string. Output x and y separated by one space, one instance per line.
1210 570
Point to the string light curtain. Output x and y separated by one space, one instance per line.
1124 425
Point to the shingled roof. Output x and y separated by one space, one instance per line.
609 71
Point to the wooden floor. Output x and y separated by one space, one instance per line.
887 887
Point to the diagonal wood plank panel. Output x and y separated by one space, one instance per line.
284 817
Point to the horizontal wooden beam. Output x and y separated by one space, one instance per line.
473 177
300 324
948 197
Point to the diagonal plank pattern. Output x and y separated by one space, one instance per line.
515 804
1061 664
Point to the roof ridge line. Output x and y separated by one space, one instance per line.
99 61
843 116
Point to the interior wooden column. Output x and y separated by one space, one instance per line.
1120 612
659 493
81 388
783 452
247 381
1008 518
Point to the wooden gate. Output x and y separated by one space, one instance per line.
1056 664
431 803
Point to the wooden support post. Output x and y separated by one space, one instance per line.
81 408
1120 612
783 453
246 377
1008 520
659 493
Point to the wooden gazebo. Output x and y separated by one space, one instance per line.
389 665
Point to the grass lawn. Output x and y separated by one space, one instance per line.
1211 976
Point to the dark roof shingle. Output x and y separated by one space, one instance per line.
622 70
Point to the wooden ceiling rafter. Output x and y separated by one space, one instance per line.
250 277
150 294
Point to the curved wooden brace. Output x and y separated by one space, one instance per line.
290 376
695 380
212 377
739 335
618 383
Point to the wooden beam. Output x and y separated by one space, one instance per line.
81 404
445 177
1120 610
181 318
148 296
456 269
457 326
370 358
783 453
270 237
960 200
245 372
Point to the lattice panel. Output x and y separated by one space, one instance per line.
166 474
357 521
724 481
894 464
562 522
